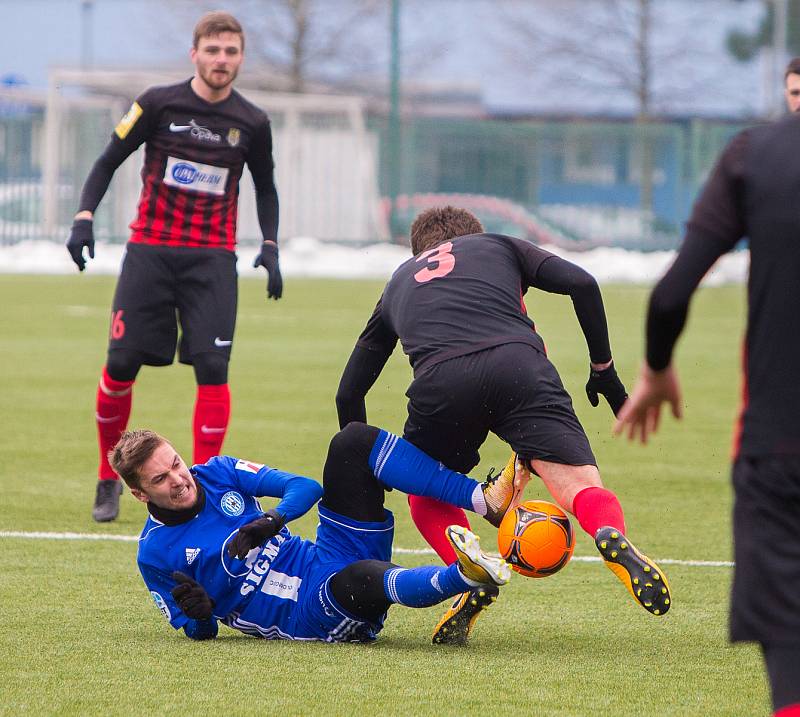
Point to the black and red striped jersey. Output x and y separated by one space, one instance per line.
195 152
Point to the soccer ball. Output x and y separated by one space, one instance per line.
536 538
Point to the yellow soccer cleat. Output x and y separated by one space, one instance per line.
645 581
473 563
456 624
504 491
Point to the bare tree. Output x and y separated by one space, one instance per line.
306 40
644 55
318 38
342 42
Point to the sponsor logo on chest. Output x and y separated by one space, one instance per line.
195 177
200 133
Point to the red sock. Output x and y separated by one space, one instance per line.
789 711
211 413
113 410
431 518
596 507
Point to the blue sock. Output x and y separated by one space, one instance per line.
423 587
398 464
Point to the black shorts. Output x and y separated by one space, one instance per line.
160 287
511 390
765 601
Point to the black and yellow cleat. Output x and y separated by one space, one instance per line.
503 491
456 624
645 581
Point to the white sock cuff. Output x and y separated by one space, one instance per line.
468 581
479 501
391 585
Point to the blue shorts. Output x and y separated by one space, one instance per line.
316 615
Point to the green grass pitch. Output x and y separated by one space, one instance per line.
79 634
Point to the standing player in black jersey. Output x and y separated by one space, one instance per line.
479 365
180 258
753 191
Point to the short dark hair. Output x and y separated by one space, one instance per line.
215 23
131 452
440 224
793 68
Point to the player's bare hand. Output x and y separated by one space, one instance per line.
255 533
640 416
81 236
268 258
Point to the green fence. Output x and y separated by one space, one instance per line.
582 183
590 182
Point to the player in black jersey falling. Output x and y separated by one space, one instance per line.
479 366
753 191
198 135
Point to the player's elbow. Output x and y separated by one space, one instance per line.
311 488
584 285
665 304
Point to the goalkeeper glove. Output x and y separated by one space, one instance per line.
255 533
191 597
268 258
606 382
81 235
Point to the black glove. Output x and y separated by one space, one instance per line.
268 258
256 533
607 383
191 597
81 235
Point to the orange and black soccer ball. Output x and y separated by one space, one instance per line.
536 538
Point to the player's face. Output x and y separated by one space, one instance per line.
217 59
165 481
793 92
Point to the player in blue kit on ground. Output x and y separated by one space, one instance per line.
208 553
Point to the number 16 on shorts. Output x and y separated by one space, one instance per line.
117 330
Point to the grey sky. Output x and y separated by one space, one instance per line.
142 33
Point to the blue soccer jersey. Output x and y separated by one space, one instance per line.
198 547
280 590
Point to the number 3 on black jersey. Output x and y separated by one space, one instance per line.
440 256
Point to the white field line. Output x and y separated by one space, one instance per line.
399 551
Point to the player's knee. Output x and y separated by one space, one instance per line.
367 575
123 364
354 439
210 369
